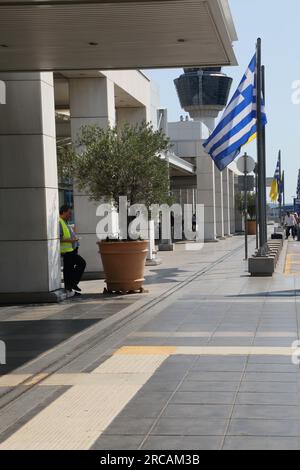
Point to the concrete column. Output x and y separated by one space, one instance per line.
92 102
206 194
219 203
231 202
29 241
2 92
131 116
226 208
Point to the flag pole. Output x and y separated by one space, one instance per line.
260 153
283 190
264 175
280 189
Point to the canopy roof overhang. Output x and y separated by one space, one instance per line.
114 34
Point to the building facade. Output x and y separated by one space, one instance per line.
35 42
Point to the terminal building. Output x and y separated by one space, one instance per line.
72 64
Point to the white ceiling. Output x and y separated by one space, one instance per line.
56 35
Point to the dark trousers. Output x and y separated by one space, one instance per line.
289 229
74 266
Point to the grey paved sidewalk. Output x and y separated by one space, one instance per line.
209 367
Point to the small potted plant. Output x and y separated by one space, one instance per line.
116 162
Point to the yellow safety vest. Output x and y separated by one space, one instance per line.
65 247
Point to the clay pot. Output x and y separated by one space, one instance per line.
124 264
251 227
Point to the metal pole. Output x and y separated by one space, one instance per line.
257 208
280 189
246 206
264 170
260 154
283 189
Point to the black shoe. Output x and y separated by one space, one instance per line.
77 294
77 289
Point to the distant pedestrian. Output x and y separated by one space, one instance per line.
290 224
297 226
74 264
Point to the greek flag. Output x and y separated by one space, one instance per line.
238 124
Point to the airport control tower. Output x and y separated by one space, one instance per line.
203 93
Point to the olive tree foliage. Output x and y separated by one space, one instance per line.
66 161
114 162
251 204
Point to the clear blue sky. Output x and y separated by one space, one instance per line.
278 26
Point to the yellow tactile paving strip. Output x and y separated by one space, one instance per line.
78 417
146 350
210 350
292 264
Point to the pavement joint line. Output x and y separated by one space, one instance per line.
127 315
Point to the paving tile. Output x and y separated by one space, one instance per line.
198 386
271 377
269 387
205 412
215 341
139 410
121 442
288 412
261 443
264 427
214 376
218 367
181 359
275 342
189 427
129 426
148 396
185 341
203 398
160 385
268 399
280 368
256 359
182 443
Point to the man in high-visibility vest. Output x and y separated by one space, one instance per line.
74 264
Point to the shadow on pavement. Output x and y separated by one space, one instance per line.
25 340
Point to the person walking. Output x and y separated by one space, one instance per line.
73 264
290 224
297 218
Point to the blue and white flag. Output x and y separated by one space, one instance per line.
238 124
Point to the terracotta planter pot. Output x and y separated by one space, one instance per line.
124 264
251 227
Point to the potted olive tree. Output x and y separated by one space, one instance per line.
251 210
116 162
